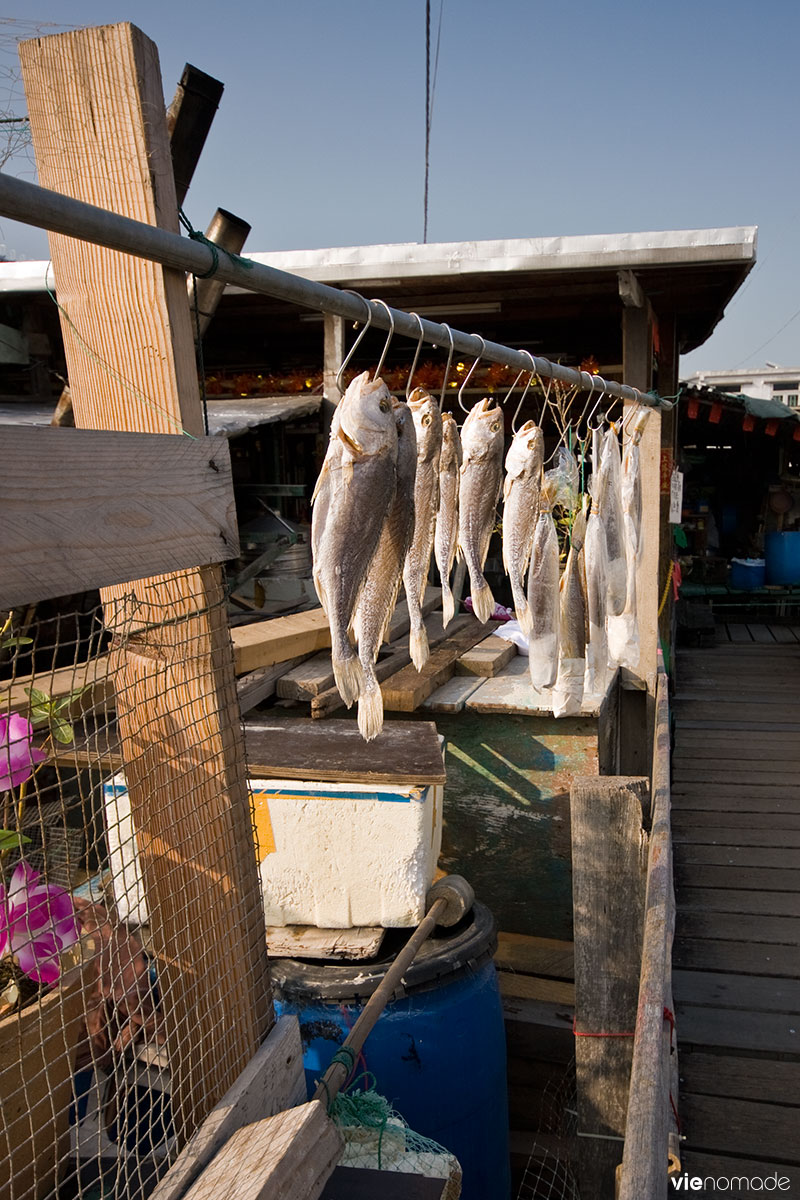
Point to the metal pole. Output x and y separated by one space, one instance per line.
32 205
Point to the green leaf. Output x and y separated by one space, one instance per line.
60 705
16 641
39 698
9 840
61 730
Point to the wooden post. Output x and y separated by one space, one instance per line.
609 860
667 386
637 697
99 132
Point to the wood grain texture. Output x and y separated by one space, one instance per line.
272 1081
264 643
99 131
93 680
535 955
289 1156
766 1079
753 958
453 695
718 989
406 690
487 658
334 751
530 987
511 691
108 507
732 1125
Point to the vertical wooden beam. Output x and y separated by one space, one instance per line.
609 864
100 135
637 712
668 365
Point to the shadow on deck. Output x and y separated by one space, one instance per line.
736 830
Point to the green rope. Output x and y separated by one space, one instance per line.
367 1109
197 236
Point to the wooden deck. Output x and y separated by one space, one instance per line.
736 824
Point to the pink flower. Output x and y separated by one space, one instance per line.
18 755
37 922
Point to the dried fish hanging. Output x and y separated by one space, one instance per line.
568 689
521 493
623 630
609 492
543 596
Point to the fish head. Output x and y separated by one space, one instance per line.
526 452
483 430
364 420
427 424
451 441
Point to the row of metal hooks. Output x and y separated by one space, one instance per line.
558 408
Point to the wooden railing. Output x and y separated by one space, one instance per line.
651 1135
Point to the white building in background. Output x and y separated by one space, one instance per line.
768 383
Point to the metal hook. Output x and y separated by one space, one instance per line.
447 368
354 346
525 390
470 371
379 367
416 353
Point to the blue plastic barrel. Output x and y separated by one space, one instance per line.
782 552
438 1051
747 574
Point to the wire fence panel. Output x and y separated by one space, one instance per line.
117 938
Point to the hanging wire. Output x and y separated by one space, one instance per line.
525 390
461 404
390 315
447 368
416 353
354 347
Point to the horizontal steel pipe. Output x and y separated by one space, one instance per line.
32 205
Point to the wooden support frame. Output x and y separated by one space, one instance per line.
609 857
100 135
651 1133
109 507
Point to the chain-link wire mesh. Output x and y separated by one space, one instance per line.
133 974
549 1173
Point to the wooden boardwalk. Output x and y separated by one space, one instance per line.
736 824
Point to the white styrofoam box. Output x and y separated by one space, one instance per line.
334 855
346 854
123 854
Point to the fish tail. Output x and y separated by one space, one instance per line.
482 599
418 646
525 617
348 673
370 709
448 604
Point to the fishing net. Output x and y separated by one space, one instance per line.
133 972
377 1137
549 1172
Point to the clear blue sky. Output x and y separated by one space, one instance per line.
571 117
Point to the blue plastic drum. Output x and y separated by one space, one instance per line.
782 552
438 1051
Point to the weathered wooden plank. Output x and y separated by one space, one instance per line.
307 941
538 1030
272 1081
453 695
174 679
743 710
535 955
782 859
707 875
783 634
739 900
406 690
765 1079
728 1125
739 633
487 658
530 987
259 685
727 798
109 507
316 675
745 958
748 726
718 1166
739 829
761 633
609 866
729 701
267 642
756 775
335 751
93 680
722 926
718 990
286 1157
781 755
511 691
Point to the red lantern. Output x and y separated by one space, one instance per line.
771 428
715 415
692 409
749 424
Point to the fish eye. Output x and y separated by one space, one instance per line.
495 427
384 406
426 420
